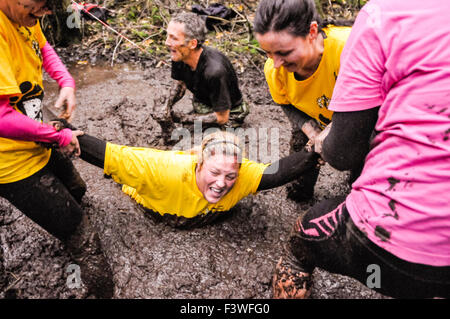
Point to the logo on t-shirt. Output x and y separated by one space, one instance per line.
28 36
323 101
29 103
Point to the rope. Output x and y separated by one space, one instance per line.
80 7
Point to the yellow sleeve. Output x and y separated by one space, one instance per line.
250 176
8 83
130 166
276 87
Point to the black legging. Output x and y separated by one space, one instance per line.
326 237
50 197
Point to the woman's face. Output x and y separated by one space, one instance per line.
216 176
27 12
297 54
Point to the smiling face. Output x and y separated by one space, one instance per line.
216 176
25 12
295 53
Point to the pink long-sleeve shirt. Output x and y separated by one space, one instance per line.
15 125
398 57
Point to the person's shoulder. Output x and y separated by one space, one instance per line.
271 72
215 58
5 24
337 35
269 66
215 64
250 168
3 18
213 52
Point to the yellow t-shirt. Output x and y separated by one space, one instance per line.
312 95
21 81
164 181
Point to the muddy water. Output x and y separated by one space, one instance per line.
233 258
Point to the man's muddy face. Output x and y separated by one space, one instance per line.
176 42
216 176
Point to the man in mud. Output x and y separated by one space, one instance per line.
206 72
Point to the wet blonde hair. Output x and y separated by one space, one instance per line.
219 142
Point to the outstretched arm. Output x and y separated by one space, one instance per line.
92 149
15 125
289 169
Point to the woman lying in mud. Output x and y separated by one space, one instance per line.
191 189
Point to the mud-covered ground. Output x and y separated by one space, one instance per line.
231 259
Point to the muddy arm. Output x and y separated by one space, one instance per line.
92 149
289 169
176 92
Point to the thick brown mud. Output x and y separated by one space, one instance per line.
233 258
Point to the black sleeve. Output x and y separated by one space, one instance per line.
92 150
348 142
287 169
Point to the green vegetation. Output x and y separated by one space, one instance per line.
144 23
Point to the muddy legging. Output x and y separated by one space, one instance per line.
326 237
50 197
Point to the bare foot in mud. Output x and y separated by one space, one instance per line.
289 285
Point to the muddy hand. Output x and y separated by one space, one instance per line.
319 139
60 123
66 98
73 148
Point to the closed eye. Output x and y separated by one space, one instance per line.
283 53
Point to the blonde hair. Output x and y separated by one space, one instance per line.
219 142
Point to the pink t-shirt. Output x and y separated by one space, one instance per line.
398 57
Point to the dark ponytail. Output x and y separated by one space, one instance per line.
293 16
